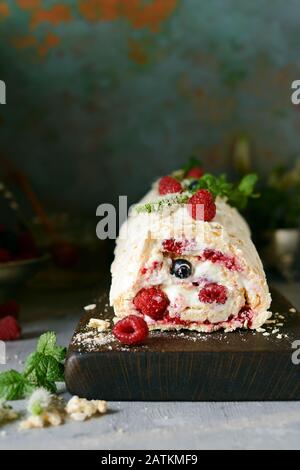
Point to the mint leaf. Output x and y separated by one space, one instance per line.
46 342
237 195
13 385
44 370
47 345
240 195
218 186
247 184
29 367
47 369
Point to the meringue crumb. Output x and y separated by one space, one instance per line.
281 317
100 325
6 412
266 333
275 331
90 307
260 330
292 310
279 336
279 324
45 410
81 409
53 418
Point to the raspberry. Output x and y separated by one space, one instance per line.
10 307
131 330
152 302
9 329
201 206
246 314
216 256
5 255
213 292
168 185
195 172
173 246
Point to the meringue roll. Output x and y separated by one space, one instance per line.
178 272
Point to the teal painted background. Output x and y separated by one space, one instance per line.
104 95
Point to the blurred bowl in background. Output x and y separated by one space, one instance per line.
15 273
280 250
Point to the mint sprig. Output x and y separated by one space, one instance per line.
14 385
43 368
236 194
217 185
47 345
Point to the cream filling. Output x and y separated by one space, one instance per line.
184 295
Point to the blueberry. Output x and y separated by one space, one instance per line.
181 268
193 185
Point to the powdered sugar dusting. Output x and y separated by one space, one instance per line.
89 340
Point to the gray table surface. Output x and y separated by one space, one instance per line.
144 425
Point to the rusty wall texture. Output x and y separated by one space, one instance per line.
103 95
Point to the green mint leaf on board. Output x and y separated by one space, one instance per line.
14 386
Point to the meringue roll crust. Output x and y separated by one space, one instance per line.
197 275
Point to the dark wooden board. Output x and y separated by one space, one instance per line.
242 365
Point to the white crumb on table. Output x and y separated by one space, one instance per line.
89 307
81 409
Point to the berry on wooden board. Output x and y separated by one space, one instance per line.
131 330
